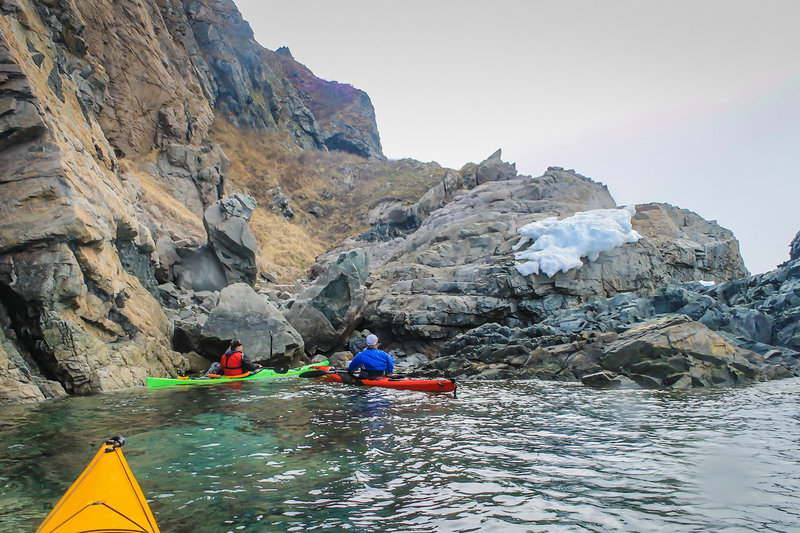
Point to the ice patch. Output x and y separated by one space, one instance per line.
558 245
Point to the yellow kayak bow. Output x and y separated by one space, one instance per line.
104 499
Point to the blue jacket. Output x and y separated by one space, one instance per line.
373 359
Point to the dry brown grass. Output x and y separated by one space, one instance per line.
170 212
344 185
286 250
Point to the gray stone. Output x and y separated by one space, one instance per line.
457 270
328 311
231 239
199 269
602 380
660 352
196 174
415 360
250 317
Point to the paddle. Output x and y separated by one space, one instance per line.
278 370
310 374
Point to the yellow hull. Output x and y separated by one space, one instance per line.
104 499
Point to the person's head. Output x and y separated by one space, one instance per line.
372 341
236 344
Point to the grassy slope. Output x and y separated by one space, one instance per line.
343 185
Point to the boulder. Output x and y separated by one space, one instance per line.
189 265
677 350
340 359
196 174
230 237
244 314
607 380
199 269
329 309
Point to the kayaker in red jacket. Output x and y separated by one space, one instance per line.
235 362
374 362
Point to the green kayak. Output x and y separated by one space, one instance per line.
264 373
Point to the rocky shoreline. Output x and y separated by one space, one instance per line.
689 335
128 245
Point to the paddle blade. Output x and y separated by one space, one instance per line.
310 374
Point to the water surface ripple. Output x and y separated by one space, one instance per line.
504 456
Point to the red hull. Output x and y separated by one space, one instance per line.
422 385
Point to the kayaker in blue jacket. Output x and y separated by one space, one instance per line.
374 363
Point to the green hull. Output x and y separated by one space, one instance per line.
265 373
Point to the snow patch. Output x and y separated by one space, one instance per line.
558 245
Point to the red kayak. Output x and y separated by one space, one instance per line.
328 375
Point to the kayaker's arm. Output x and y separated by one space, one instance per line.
248 365
353 366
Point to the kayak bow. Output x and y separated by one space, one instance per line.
104 499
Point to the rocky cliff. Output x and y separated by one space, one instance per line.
457 270
105 110
165 180
76 316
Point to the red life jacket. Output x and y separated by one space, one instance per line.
231 363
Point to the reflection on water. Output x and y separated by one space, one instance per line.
505 456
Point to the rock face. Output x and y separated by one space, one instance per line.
196 174
794 248
342 115
677 352
327 311
116 243
690 335
250 317
73 310
230 238
457 270
192 58
20 379
396 216
105 107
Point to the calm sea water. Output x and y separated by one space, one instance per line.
291 455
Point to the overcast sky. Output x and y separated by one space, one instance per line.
695 103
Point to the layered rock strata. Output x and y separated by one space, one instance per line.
457 270
105 106
690 335
73 308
